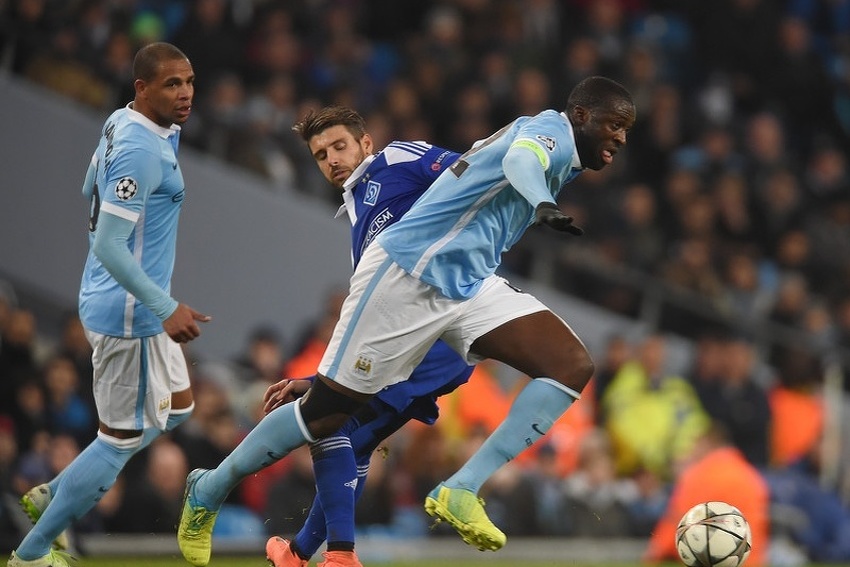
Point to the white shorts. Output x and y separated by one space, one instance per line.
390 320
134 378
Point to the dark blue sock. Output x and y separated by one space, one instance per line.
333 509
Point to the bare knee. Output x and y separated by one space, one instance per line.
575 368
325 409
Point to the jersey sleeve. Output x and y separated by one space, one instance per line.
110 247
129 179
532 159
435 162
91 178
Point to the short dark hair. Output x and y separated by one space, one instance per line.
594 92
318 121
150 57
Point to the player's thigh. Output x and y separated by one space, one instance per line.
132 379
516 328
372 425
176 372
387 324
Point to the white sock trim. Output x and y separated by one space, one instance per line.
566 389
181 411
123 444
301 425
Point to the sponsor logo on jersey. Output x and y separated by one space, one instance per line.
548 142
363 365
378 224
126 188
373 189
438 163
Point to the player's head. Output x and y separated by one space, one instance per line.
602 112
164 83
338 141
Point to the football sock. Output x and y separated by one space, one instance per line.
273 438
535 409
175 418
83 483
336 478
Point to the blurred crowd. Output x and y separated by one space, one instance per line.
732 205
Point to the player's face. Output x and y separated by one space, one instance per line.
601 132
167 99
338 153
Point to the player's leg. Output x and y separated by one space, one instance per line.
118 371
274 437
332 514
182 402
525 335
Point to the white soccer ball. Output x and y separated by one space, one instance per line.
713 534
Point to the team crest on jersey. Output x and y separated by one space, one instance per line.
548 142
164 404
126 188
363 365
373 189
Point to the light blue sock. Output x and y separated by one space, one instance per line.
148 435
535 409
82 484
175 418
272 439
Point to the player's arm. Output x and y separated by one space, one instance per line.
89 181
110 247
525 165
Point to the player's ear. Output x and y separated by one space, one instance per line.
367 144
579 115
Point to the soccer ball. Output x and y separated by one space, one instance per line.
713 534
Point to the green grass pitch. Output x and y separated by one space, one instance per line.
246 561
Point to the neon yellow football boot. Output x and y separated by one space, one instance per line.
464 511
194 533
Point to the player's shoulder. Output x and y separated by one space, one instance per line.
397 151
550 117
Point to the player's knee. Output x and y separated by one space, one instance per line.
121 443
324 410
584 367
576 367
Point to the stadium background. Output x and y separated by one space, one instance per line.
729 213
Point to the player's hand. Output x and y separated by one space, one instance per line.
182 325
284 392
550 214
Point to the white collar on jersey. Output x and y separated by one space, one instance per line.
136 116
348 189
576 162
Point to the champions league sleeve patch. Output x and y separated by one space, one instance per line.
126 188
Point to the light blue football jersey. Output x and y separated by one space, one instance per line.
454 236
134 174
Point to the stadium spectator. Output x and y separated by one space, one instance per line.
715 470
738 402
653 417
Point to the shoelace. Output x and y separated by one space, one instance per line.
200 518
